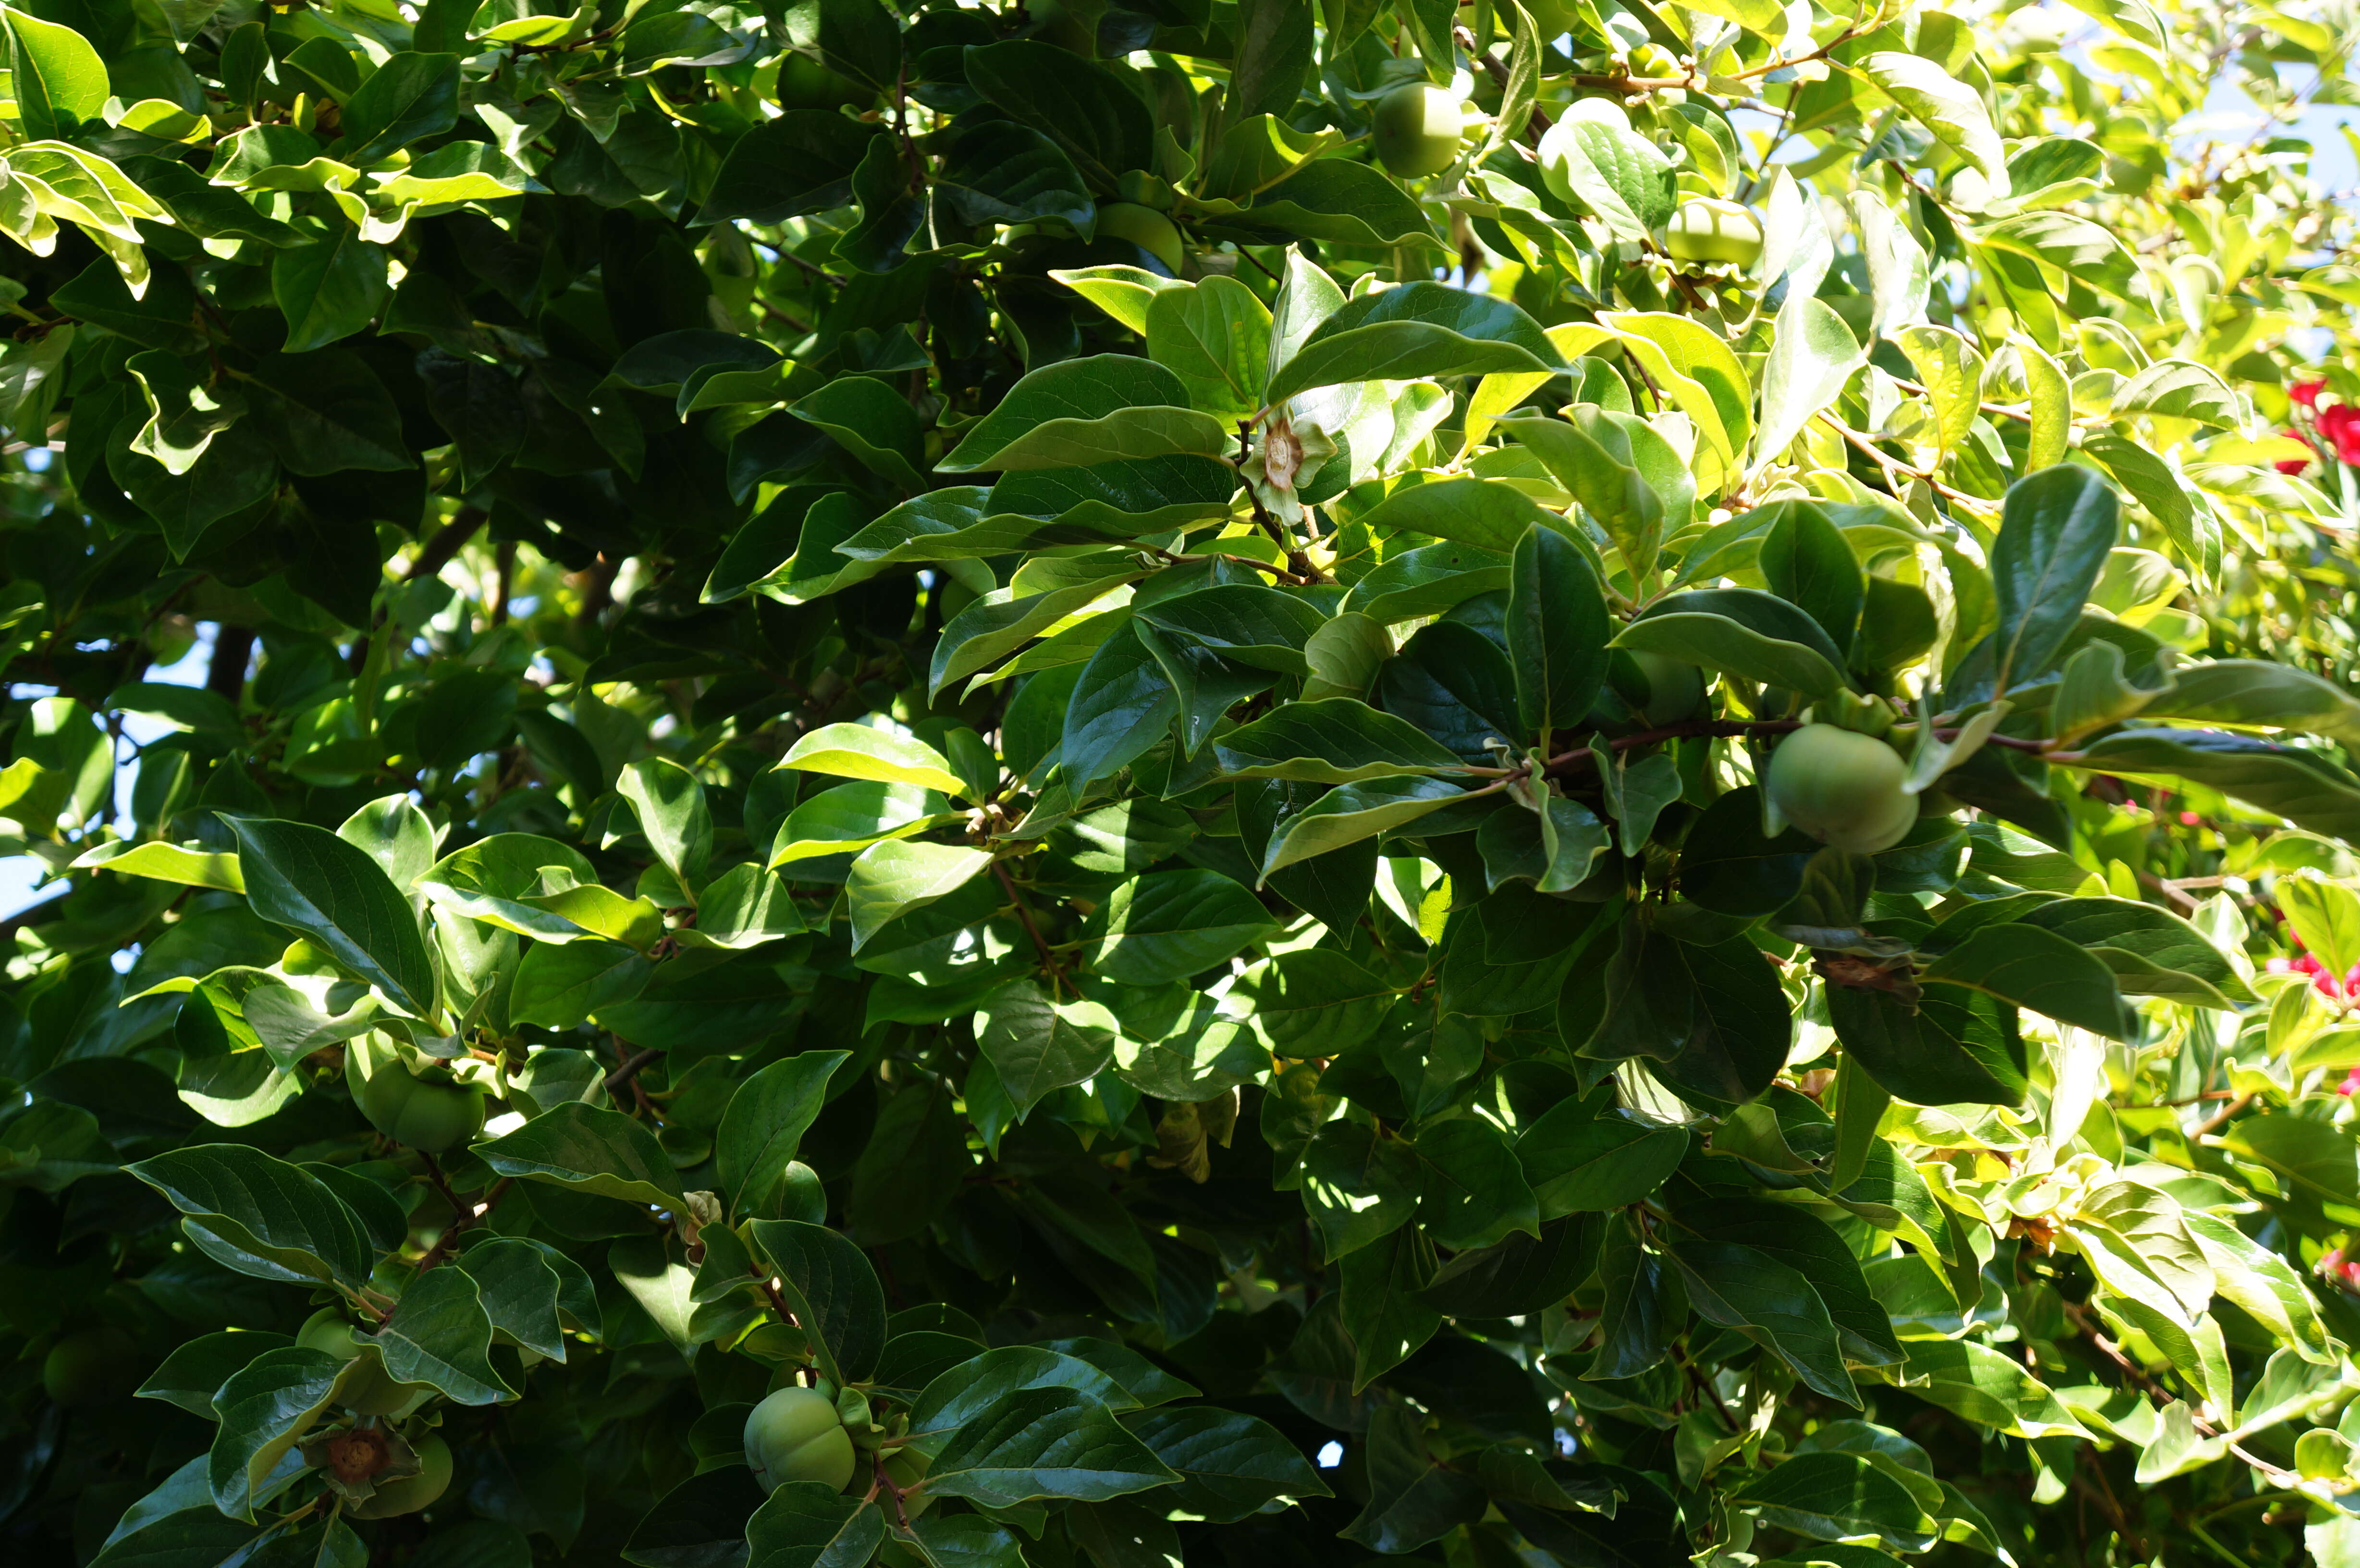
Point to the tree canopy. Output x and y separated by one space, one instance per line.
1566 784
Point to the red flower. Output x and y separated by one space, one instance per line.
2306 392
2294 465
2341 425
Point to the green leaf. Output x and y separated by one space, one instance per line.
960 1393
313 883
1094 114
1806 562
406 99
60 81
1949 1049
1711 1018
799 163
701 1520
856 751
999 171
1335 200
833 1291
1232 1466
538 888
1313 1002
804 1524
1072 394
1037 1045
1353 813
263 1409
558 985
1556 631
279 1221
673 818
1216 337
519 1290
1521 1275
2029 967
1411 331
2089 251
585 1148
1591 156
440 1335
2054 535
328 290
1987 1387
1044 1442
1122 704
1728 866
1837 1497
1264 627
1951 110
872 422
2314 1163
1811 358
1412 1500
1745 1287
1578 1159
1358 1185
193 1373
328 412
764 1124
1333 740
849 818
2303 787
897 876
1626 476
1742 632
1383 1310
1174 924
1473 1193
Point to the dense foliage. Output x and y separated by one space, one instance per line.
1147 780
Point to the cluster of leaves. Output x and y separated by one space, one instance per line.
938 698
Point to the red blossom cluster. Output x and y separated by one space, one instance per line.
2343 991
2338 425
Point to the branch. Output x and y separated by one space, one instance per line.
446 545
630 1068
1040 943
1576 760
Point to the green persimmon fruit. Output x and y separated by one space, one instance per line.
428 1114
1552 19
1706 228
1416 130
1145 227
1674 689
2322 1455
1842 789
378 1394
806 83
905 1468
794 1435
90 1366
411 1493
327 1330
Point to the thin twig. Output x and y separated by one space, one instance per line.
2221 1117
1024 913
462 1217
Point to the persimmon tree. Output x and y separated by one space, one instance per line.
1153 780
